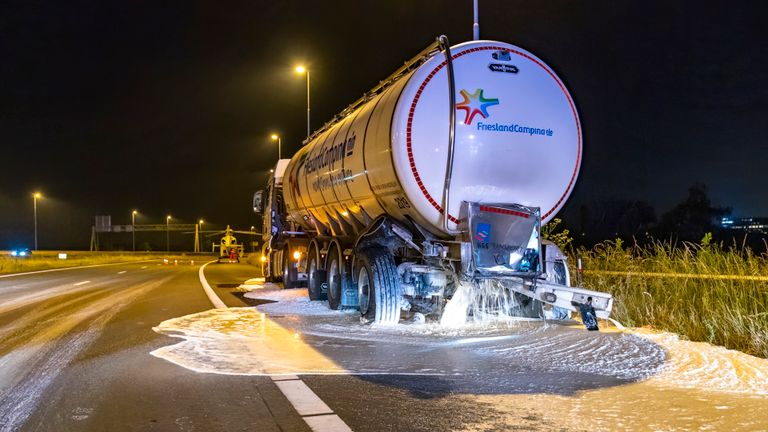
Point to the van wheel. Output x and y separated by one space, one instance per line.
378 286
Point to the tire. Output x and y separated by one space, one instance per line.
335 270
290 274
378 286
316 276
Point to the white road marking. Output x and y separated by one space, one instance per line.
143 267
72 268
121 272
82 283
215 300
284 377
327 423
303 399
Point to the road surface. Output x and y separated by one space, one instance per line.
138 347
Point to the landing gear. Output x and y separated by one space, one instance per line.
378 286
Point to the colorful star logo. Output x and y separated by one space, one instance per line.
474 104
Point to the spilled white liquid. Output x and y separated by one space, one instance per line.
685 385
484 302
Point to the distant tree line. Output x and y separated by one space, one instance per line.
636 221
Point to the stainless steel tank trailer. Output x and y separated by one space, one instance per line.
441 175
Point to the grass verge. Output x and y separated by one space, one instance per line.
44 260
731 312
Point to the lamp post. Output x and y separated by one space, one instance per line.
276 137
301 69
36 196
198 233
168 233
133 229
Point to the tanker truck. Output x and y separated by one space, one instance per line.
440 176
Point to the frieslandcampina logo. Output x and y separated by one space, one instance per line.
474 104
477 104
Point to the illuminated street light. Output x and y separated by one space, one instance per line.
198 234
276 137
300 70
133 228
167 233
36 196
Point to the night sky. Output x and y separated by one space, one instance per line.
167 106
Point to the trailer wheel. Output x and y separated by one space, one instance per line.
334 271
290 273
378 287
316 276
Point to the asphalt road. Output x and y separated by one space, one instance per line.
75 356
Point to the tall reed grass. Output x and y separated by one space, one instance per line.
730 311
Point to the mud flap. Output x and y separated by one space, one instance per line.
348 292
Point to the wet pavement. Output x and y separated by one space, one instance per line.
525 374
143 350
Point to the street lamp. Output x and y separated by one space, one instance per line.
198 234
36 196
167 233
300 70
279 145
133 228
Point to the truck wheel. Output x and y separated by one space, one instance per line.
378 287
316 277
290 274
334 274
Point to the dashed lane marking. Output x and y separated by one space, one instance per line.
327 423
82 283
284 377
121 272
318 416
303 398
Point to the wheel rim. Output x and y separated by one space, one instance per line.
364 290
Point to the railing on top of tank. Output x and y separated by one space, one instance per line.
414 62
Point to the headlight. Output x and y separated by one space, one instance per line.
23 253
14 253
